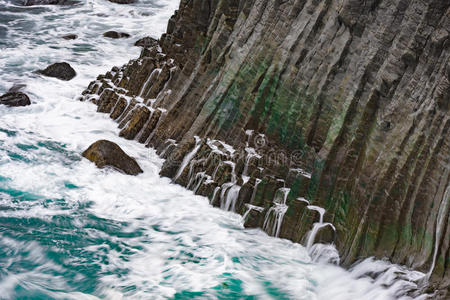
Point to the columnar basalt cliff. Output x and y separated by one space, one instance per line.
276 108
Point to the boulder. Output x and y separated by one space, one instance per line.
70 36
105 153
116 35
60 70
15 99
146 42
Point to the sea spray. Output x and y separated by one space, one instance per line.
277 212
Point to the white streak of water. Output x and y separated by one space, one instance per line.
249 209
188 158
440 227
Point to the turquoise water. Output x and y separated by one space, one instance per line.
71 231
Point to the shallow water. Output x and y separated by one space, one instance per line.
71 231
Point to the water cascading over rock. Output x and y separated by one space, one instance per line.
345 103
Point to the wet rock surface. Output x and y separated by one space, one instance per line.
61 70
116 35
15 99
45 2
70 36
108 154
146 42
122 1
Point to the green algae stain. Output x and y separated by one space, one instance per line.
315 178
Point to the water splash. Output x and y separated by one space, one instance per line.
228 203
255 189
216 190
251 153
251 207
188 157
171 143
440 227
277 212
312 234
155 72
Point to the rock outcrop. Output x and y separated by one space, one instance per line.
108 154
70 36
61 70
146 42
46 2
268 107
15 99
116 35
122 1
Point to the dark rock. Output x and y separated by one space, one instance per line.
136 123
122 1
43 2
254 218
105 153
15 99
207 189
245 195
116 35
70 36
224 173
326 235
119 109
60 70
146 42
151 125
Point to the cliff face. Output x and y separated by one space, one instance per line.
342 103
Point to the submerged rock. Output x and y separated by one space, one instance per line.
17 87
15 99
105 153
60 70
146 42
116 35
122 1
43 2
70 36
